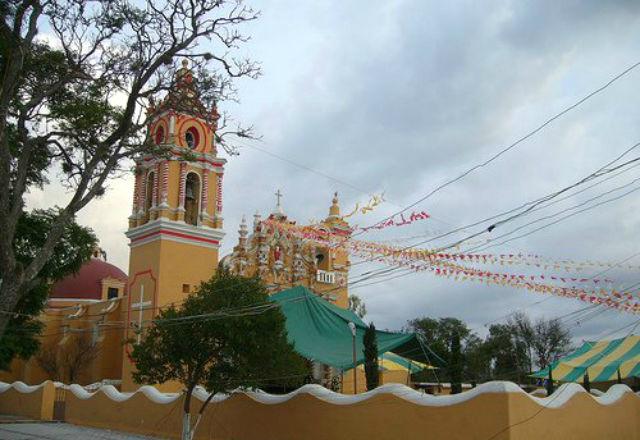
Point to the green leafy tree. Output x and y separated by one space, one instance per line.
74 106
477 360
438 335
237 340
371 370
510 356
75 247
519 346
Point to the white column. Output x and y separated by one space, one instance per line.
219 195
205 193
154 191
182 183
165 184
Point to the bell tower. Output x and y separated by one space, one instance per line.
175 227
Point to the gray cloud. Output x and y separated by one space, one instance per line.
401 96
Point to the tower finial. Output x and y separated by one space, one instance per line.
243 227
334 211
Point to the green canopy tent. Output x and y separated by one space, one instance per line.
320 331
603 360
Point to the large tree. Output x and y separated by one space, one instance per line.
551 341
520 346
75 247
509 354
226 335
72 100
438 335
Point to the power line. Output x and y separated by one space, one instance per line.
311 170
598 173
517 142
532 205
488 246
551 203
332 178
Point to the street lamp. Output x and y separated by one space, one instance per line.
352 327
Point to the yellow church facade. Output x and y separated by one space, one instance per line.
175 232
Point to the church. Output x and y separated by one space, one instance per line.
175 232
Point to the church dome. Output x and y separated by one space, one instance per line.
88 282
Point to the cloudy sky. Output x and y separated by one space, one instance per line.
401 96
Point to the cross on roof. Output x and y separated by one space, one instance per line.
278 211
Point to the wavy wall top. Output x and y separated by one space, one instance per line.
561 396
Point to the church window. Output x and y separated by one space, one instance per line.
192 138
322 261
149 192
191 205
112 292
186 288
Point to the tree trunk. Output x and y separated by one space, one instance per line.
550 382
9 297
186 415
200 412
186 426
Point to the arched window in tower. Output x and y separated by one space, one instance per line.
160 135
191 199
322 259
192 138
148 197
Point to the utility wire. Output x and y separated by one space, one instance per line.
600 172
604 170
514 144
488 245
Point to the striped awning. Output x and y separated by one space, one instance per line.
392 362
601 359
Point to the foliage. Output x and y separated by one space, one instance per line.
74 248
238 340
511 350
509 354
438 334
371 357
73 104
551 341
519 346
477 360
357 306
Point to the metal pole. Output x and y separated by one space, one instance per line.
355 370
352 327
